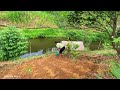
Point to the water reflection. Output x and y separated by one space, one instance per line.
38 46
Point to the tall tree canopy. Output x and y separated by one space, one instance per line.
105 21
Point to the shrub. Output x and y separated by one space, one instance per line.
72 36
1 54
12 43
70 50
74 54
107 45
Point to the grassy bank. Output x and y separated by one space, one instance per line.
83 35
87 35
34 19
104 52
45 32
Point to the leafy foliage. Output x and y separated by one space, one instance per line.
60 18
107 45
70 50
117 45
71 36
97 19
117 42
55 19
104 21
115 69
12 43
76 35
18 16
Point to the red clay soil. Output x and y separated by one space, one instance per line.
53 67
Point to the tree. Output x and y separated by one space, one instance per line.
105 21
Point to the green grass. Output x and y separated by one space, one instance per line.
47 32
37 18
86 36
102 52
115 69
51 20
3 15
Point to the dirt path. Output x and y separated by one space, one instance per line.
51 67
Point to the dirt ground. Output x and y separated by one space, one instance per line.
53 67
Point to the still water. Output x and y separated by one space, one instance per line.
38 46
44 44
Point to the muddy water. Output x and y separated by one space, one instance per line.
44 44
38 46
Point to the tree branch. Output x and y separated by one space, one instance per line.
107 22
101 25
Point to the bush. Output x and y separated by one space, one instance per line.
1 54
12 43
107 45
72 36
70 50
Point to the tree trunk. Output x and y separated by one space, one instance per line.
114 47
118 52
99 45
113 35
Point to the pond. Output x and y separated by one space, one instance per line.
38 46
41 45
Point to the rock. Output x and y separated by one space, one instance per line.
80 43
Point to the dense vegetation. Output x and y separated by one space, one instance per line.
35 19
67 24
76 34
86 26
12 44
105 21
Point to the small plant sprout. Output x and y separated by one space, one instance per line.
28 70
